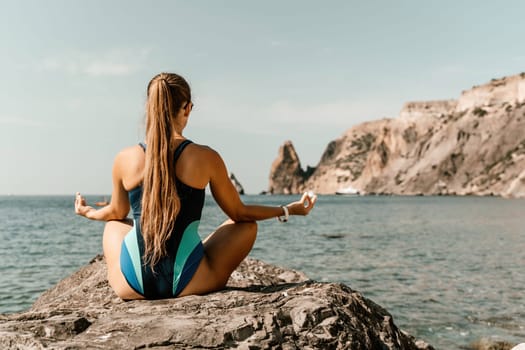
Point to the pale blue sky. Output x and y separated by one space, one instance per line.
73 76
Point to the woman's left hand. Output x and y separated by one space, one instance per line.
81 207
304 205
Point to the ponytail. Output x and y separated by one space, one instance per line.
160 201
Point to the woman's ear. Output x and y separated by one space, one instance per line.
188 108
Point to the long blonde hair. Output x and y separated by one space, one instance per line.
167 92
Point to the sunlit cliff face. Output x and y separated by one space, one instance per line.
473 145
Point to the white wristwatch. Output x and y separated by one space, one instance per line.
286 214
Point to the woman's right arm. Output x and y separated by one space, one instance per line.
119 206
230 202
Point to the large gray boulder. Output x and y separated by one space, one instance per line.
263 307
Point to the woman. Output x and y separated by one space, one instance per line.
159 253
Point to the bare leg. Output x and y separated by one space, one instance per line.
114 233
224 250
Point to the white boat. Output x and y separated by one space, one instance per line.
348 191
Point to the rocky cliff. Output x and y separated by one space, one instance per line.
473 145
263 307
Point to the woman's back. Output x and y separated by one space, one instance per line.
183 248
192 167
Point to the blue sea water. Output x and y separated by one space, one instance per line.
449 269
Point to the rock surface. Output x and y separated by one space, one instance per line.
263 307
490 344
473 145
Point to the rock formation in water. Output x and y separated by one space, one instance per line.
237 184
263 307
287 174
473 145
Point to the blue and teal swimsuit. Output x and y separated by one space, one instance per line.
184 247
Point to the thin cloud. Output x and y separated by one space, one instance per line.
520 59
277 43
21 122
110 68
450 69
116 62
214 112
337 113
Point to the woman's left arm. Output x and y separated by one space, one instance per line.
118 208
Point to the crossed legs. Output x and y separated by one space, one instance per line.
224 250
114 233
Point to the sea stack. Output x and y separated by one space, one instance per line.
286 174
236 184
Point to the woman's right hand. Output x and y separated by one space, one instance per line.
304 205
81 207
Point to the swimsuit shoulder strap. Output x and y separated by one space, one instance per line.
178 151
181 148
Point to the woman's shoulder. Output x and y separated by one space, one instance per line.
203 150
130 151
202 157
130 158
